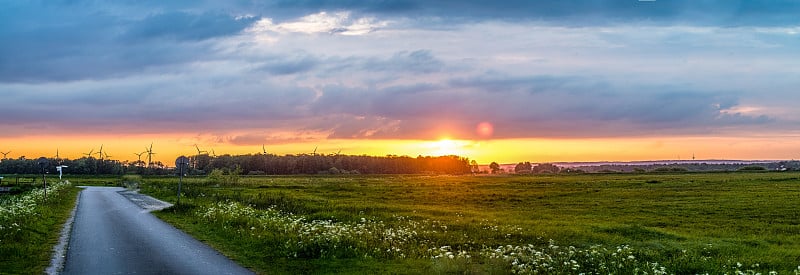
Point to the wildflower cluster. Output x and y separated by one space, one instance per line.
321 238
741 269
14 209
527 259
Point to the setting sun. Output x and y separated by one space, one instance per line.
446 147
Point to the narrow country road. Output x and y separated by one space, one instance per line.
112 235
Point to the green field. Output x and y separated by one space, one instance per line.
593 223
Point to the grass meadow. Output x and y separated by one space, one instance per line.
717 223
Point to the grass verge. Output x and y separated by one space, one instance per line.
27 239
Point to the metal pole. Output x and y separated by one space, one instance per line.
180 163
180 181
43 162
45 184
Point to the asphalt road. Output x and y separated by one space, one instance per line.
112 235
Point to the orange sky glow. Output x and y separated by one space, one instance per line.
168 147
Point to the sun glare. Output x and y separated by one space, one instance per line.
445 147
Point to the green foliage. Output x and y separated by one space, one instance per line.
494 167
217 176
228 177
592 223
753 168
523 168
131 181
546 168
30 226
670 169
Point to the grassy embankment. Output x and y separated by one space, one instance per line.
30 227
676 223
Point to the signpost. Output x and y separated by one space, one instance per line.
43 162
60 169
180 163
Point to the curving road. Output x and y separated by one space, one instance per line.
112 235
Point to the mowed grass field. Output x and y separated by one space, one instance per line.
594 223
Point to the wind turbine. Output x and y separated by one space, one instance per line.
58 158
197 159
149 155
264 149
91 152
199 152
5 154
100 153
139 157
315 150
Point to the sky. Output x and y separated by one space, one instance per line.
503 81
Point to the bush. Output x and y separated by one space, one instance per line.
217 176
229 177
753 168
131 181
670 169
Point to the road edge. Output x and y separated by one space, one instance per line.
60 250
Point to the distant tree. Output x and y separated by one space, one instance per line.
523 168
752 168
494 167
473 166
572 171
546 168
670 169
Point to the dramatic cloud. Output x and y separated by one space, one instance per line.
254 72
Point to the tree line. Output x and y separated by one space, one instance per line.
254 164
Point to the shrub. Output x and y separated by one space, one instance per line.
217 176
131 181
670 169
753 168
220 176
